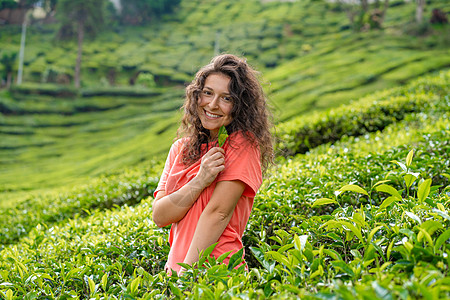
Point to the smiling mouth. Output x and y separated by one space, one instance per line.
212 115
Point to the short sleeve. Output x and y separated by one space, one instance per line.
173 153
242 162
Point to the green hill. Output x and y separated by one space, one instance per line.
309 58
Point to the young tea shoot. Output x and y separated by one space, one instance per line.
223 135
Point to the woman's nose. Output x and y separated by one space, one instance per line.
214 101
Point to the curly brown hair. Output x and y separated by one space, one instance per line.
250 113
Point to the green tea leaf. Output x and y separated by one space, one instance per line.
409 158
319 272
389 249
223 135
235 259
259 255
135 284
354 229
9 294
380 291
222 257
442 239
388 201
372 233
204 255
175 290
424 190
185 266
409 179
427 236
380 182
333 254
104 281
92 286
431 226
353 188
441 213
388 189
341 265
323 201
279 258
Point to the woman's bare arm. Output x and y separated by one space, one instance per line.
215 217
171 208
168 209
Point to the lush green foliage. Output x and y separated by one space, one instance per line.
364 218
364 214
129 187
369 114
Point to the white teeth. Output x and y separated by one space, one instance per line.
211 115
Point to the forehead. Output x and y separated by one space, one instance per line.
218 81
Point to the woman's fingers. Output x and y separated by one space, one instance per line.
213 162
215 155
215 151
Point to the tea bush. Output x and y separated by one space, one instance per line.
129 187
396 247
364 218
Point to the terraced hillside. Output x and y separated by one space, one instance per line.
309 58
48 141
301 41
366 217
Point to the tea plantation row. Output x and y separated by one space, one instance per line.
363 218
369 114
101 133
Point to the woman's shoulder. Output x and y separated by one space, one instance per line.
177 145
242 137
239 141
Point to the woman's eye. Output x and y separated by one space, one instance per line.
226 98
207 93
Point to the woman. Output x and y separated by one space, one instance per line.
206 192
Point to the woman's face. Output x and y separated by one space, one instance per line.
214 103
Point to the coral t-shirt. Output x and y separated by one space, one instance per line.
242 162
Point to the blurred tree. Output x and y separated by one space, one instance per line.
49 7
17 4
7 60
361 16
419 11
8 4
138 12
110 15
77 18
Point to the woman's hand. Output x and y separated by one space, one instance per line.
213 162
